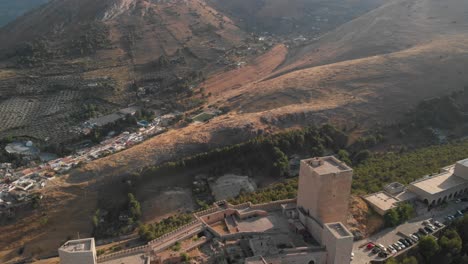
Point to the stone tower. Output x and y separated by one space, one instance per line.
324 189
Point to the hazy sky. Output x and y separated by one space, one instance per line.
10 9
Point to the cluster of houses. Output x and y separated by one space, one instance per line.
19 185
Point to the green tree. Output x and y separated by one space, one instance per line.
405 211
410 260
450 243
185 257
343 155
428 247
392 218
281 162
391 260
134 207
361 156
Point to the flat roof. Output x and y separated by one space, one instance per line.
406 195
381 200
79 245
327 165
338 230
104 120
440 182
463 162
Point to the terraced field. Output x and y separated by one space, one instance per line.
41 117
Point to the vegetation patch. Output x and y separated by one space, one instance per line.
153 231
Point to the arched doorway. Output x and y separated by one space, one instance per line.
426 201
439 201
312 262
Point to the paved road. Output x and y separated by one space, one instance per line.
390 235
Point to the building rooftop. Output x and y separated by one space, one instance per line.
338 230
327 165
463 162
381 200
104 120
129 110
406 195
79 245
440 182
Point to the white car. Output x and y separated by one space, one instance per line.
415 238
401 245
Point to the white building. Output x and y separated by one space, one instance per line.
81 251
450 183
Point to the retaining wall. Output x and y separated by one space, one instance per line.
123 253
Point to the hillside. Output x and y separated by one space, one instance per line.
401 47
69 53
395 26
293 17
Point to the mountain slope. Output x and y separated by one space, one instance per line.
396 25
69 46
293 17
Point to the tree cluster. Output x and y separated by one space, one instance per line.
396 216
153 231
117 221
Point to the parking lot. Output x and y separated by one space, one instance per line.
389 236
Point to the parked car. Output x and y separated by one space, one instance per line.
423 231
432 227
391 249
438 224
383 254
403 246
425 222
409 241
417 235
376 250
370 246
428 229
404 242
397 247
414 237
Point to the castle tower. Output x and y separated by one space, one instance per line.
81 251
324 189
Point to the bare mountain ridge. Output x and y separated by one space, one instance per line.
396 25
293 17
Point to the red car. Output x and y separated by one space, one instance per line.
370 246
